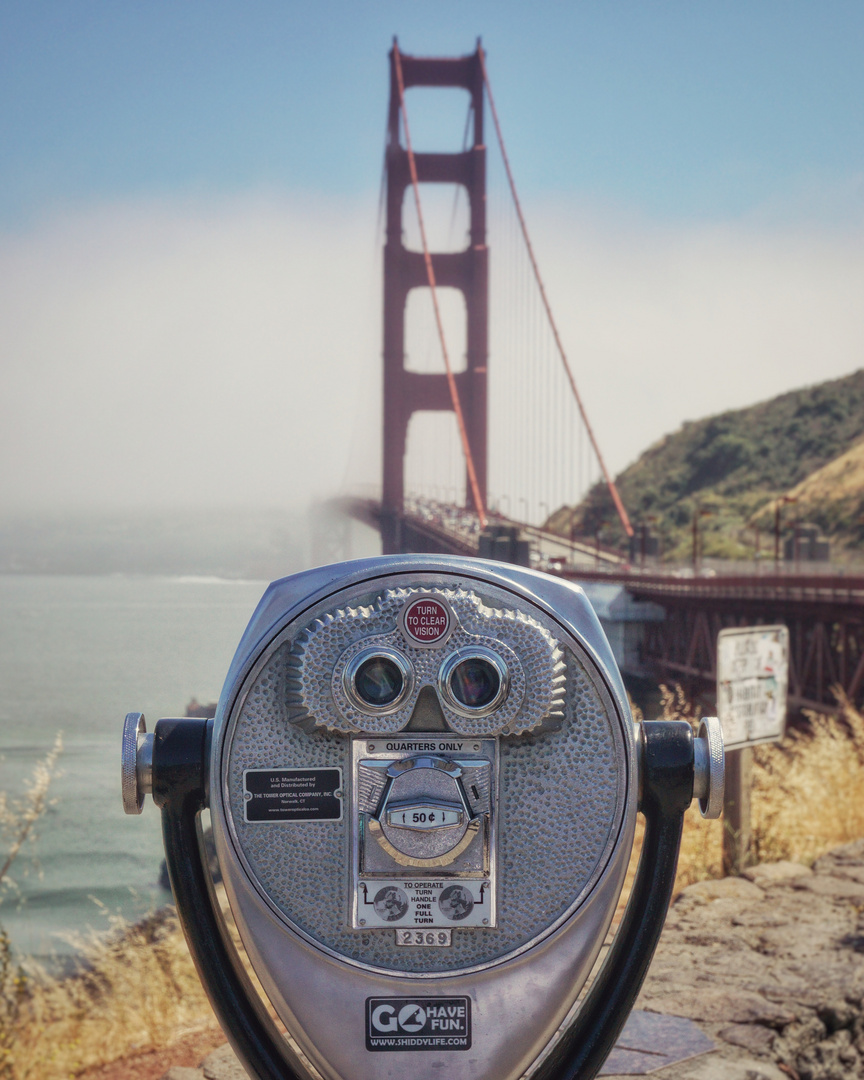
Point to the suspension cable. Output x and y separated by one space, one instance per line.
610 483
430 274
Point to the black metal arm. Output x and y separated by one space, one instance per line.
179 771
667 789
179 775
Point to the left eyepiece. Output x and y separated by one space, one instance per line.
378 680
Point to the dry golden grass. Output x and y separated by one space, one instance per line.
141 990
807 797
136 990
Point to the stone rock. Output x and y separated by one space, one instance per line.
752 1037
713 1067
730 888
827 885
716 938
832 1059
223 1064
850 854
797 1037
836 1015
758 917
723 1006
769 873
840 869
183 1072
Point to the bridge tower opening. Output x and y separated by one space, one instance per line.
406 391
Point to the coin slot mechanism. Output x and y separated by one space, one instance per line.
423 833
423 816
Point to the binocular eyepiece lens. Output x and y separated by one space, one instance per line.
475 682
379 681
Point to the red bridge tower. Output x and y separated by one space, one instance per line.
407 392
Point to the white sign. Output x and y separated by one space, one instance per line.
752 683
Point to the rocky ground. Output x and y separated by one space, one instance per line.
770 966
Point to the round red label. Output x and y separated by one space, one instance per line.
426 620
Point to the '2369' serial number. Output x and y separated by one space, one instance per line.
424 937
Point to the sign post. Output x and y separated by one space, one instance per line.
752 686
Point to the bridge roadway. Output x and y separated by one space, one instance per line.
823 611
444 529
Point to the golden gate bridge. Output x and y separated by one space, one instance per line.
482 444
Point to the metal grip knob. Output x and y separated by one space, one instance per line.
709 767
136 763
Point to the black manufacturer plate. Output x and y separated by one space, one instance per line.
418 1023
293 794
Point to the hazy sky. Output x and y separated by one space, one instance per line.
189 268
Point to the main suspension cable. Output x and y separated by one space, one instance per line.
610 483
430 274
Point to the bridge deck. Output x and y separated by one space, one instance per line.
823 611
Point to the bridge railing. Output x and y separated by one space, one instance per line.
833 588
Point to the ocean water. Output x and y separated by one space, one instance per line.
77 654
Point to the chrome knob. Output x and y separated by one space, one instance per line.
709 767
136 763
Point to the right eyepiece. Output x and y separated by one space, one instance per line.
378 680
474 681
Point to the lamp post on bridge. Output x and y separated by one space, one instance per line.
644 536
698 514
781 502
522 499
597 532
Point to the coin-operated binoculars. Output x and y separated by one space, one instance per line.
423 779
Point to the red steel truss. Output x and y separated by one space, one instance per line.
824 614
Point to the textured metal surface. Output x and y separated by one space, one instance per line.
562 792
133 796
330 642
709 773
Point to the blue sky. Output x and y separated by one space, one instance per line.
672 109
188 196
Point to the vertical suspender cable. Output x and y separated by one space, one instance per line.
430 273
610 483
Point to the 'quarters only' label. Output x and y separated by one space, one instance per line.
423 1023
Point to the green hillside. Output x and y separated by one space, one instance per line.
731 466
